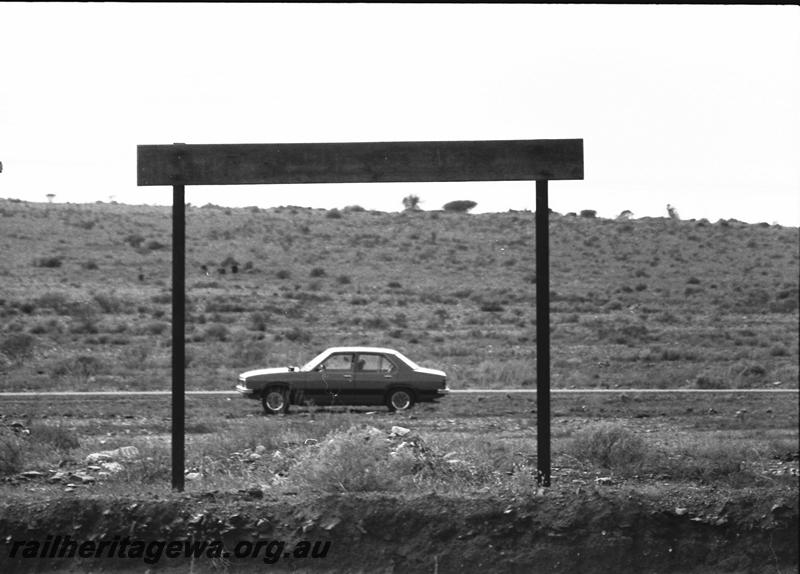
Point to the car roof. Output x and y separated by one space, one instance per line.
360 350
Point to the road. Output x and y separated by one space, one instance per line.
32 395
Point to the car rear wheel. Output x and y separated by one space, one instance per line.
400 400
275 401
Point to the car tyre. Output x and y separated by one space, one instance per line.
275 401
400 400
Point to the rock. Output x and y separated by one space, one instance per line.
31 474
603 480
193 476
253 456
112 467
399 431
126 453
330 523
261 449
680 511
85 478
121 453
96 457
58 476
310 441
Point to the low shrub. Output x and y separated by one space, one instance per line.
217 331
355 460
57 436
590 213
610 446
296 334
12 451
318 272
110 303
257 321
82 366
134 240
49 262
459 206
18 346
154 245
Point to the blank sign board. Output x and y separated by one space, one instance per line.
376 162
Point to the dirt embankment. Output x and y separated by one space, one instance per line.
569 531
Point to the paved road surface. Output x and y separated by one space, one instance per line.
22 395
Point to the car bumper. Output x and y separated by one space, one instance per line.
442 392
244 390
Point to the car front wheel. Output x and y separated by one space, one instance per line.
275 401
400 400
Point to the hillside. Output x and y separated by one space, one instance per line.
652 303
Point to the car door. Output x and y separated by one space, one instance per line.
373 373
335 380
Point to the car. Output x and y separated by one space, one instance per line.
346 376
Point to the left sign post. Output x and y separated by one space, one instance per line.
178 347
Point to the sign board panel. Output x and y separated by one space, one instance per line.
376 162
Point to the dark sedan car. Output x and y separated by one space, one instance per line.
346 376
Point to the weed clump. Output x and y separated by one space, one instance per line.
18 346
354 460
49 262
610 446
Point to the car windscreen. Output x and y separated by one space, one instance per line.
313 362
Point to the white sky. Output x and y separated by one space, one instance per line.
697 106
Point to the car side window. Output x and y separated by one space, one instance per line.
387 367
338 362
368 363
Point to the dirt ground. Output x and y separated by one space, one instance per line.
584 522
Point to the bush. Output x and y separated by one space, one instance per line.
355 460
58 302
83 366
590 213
154 245
12 449
283 274
343 280
611 447
217 331
492 307
459 206
298 335
258 321
134 240
376 322
49 262
411 203
333 214
18 346
318 272
54 436
111 303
